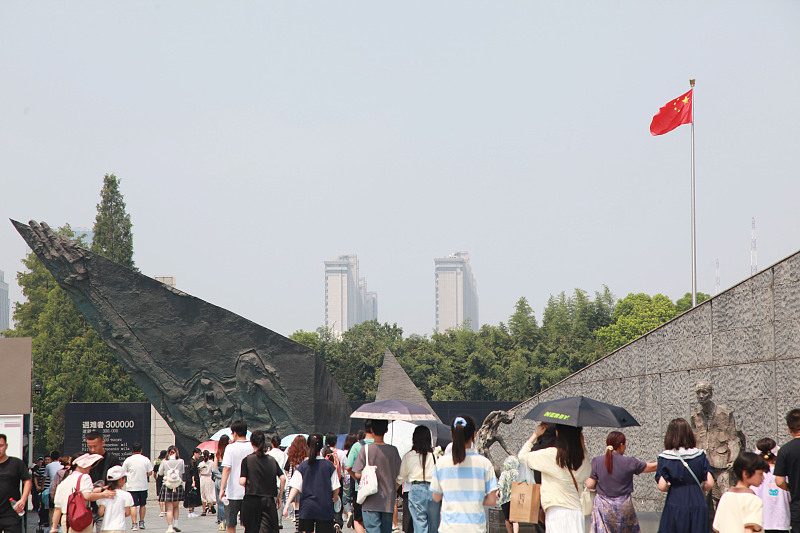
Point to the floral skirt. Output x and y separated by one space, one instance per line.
614 515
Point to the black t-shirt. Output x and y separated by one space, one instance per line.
787 464
261 473
12 472
99 471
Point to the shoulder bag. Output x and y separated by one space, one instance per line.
586 498
368 484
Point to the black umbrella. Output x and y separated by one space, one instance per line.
439 432
579 411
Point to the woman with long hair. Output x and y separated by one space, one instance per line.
684 473
464 482
564 468
224 440
417 468
172 497
259 476
159 479
612 476
295 454
316 481
205 469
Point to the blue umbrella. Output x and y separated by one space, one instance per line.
287 440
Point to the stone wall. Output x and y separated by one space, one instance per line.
746 341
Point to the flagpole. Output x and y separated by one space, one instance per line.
694 238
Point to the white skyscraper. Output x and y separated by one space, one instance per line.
456 293
5 305
347 301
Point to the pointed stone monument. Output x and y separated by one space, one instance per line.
396 385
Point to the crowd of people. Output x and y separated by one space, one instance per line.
254 482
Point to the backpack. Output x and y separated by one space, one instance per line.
79 517
172 480
334 458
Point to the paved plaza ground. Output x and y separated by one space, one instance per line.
208 524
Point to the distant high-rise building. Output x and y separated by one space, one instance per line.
5 304
456 293
347 301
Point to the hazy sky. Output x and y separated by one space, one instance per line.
255 140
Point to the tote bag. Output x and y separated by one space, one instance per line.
368 484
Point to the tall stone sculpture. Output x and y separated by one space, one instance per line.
715 430
201 366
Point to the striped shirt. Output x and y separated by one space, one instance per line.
463 488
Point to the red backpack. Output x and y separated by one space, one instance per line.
79 517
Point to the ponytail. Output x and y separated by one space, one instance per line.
259 442
766 448
314 447
614 440
462 431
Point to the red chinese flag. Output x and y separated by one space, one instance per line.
672 115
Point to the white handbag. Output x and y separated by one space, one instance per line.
368 484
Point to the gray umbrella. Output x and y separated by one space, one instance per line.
393 410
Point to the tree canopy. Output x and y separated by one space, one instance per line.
112 226
504 362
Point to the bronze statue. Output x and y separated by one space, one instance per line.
201 366
488 432
715 430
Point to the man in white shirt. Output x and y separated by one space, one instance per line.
231 470
138 469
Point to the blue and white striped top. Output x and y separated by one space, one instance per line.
463 488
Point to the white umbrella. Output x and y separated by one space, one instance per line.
228 432
400 435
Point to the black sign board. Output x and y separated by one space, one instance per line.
121 424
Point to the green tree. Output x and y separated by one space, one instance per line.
635 315
112 226
684 304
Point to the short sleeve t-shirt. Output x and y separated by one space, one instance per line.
114 515
50 471
737 510
387 460
463 487
234 453
12 472
787 465
620 481
261 473
136 468
67 487
353 453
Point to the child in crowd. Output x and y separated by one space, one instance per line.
507 477
774 498
740 510
114 510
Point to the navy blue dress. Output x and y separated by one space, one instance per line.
685 509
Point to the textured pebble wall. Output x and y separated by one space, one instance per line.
746 341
